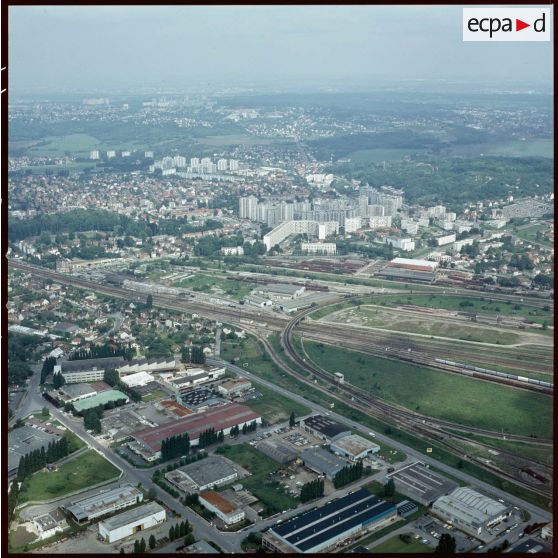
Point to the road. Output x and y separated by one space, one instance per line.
535 511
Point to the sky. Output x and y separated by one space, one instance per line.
61 48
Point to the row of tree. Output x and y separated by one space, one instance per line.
175 446
58 380
312 490
37 459
106 350
209 437
179 530
48 367
348 474
112 378
194 354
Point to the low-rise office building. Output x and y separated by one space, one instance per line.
234 388
88 370
225 510
204 474
107 501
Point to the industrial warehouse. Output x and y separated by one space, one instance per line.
421 484
106 502
324 527
147 442
354 447
205 474
324 428
129 522
471 511
405 268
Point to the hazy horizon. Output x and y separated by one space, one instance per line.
107 48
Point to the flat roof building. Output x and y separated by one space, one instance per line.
105 502
354 447
234 387
88 370
74 392
225 510
329 525
323 462
204 474
278 451
138 519
325 428
419 483
24 440
137 379
100 399
471 511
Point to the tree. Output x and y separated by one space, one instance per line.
45 413
389 489
446 544
136 547
197 356
58 380
152 542
172 535
149 302
142 545
292 420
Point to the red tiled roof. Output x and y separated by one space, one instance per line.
219 418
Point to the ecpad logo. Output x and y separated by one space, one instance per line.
506 24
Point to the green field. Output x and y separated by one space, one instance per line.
395 545
379 155
236 139
216 285
530 234
515 148
262 483
373 316
59 145
84 471
439 394
274 407
447 302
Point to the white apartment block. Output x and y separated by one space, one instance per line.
329 248
380 222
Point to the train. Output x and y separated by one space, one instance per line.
494 373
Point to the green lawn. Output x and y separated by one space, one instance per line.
275 407
84 471
154 395
530 234
396 545
58 145
234 139
216 285
262 483
439 394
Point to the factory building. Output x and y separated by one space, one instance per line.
278 451
89 370
471 511
418 482
204 474
148 365
125 524
147 442
225 510
324 428
137 379
325 527
101 398
406 268
281 291
323 462
108 501
354 447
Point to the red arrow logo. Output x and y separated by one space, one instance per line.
519 25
